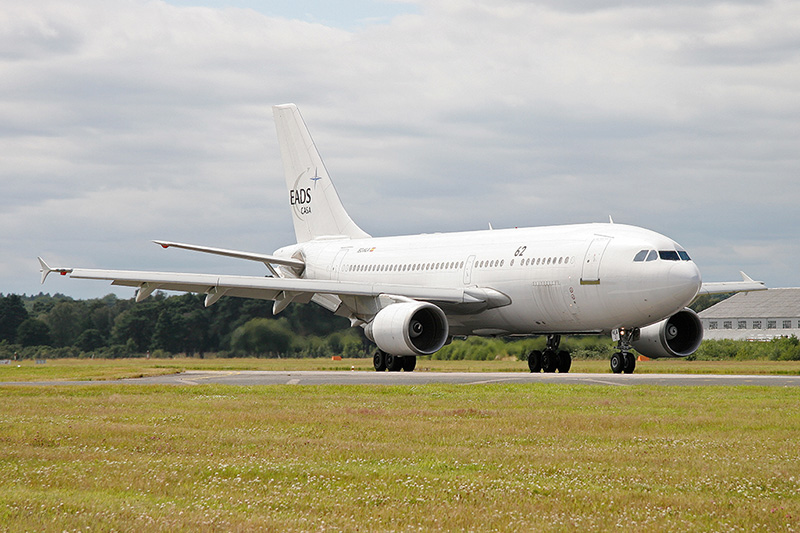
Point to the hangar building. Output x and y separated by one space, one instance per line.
758 315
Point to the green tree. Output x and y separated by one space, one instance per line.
90 340
262 336
134 327
64 320
12 315
33 332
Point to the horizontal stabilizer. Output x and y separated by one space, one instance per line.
263 258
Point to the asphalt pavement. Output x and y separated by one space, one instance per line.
360 377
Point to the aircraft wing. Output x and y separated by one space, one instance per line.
269 288
747 284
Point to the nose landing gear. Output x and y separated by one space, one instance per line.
624 361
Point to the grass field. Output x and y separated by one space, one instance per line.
109 369
435 457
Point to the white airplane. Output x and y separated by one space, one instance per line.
413 294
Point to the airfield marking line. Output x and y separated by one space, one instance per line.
485 381
204 374
602 382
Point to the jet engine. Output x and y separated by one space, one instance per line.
409 328
677 336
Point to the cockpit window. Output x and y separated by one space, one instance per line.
640 256
652 256
669 255
684 255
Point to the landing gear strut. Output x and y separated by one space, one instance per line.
624 361
551 359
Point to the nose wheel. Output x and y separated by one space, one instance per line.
623 361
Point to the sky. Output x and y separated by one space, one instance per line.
125 121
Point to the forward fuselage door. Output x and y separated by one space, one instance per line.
590 273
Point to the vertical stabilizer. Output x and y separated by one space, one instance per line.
317 210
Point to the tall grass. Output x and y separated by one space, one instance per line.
484 458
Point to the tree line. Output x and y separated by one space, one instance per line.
58 326
45 326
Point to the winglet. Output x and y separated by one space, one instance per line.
46 269
747 278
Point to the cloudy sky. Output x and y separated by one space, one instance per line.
123 121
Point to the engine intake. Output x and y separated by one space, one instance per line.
409 328
677 336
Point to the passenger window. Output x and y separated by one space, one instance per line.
640 256
652 256
669 255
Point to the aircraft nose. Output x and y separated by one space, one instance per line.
684 281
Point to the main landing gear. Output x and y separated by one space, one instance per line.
393 363
551 359
624 361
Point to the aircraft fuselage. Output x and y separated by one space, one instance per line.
566 279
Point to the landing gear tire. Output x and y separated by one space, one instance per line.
379 360
549 361
629 363
535 361
394 363
564 361
409 363
624 360
617 362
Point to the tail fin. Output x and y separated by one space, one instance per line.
316 208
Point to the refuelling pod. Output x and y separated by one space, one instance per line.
409 328
677 336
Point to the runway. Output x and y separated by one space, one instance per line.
248 378
344 377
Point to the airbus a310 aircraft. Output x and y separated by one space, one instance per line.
413 294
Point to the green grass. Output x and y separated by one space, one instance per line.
110 369
434 457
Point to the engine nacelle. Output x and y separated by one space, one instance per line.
409 328
677 336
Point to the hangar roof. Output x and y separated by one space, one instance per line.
776 303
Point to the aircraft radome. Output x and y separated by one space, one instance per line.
414 294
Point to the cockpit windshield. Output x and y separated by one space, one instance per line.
664 255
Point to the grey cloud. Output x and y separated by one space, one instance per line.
153 121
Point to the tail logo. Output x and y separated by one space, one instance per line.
316 178
300 197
